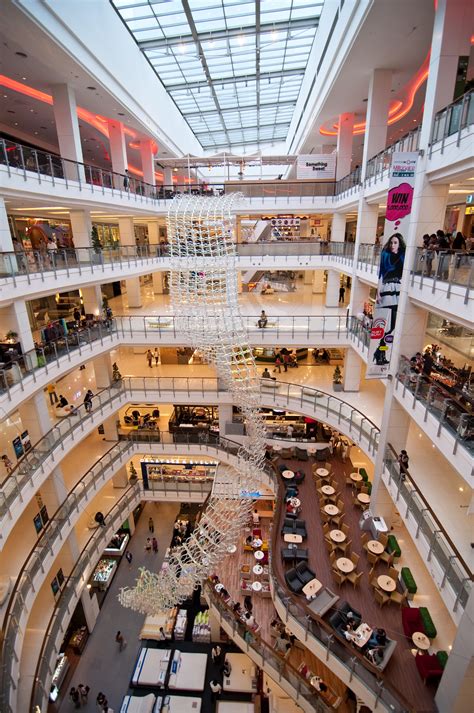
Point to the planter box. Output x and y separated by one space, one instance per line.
408 582
337 387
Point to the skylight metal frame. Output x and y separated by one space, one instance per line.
234 68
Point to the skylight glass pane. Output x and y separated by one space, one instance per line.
217 46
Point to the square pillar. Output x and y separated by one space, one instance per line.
134 296
67 127
35 416
81 225
318 282
153 233
158 281
148 164
110 428
367 217
352 371
6 241
359 295
332 288
102 371
118 151
377 115
168 177
225 416
92 300
344 145
15 318
338 228
127 232
120 479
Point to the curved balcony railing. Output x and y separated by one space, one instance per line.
368 254
278 190
360 331
378 165
452 409
440 547
290 248
349 182
455 267
451 120
265 656
69 597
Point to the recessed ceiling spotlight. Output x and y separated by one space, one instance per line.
21 54
16 123
5 96
36 133
92 88
24 79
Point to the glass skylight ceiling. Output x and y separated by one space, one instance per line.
233 68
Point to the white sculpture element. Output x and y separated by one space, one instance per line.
203 290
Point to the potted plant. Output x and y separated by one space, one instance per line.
337 379
95 240
133 475
11 336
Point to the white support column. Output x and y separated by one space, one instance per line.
102 371
54 490
352 370
367 217
134 295
92 299
6 242
381 503
308 277
215 627
153 233
338 229
332 288
344 145
15 318
168 177
127 232
377 114
35 416
120 479
318 282
225 416
454 693
148 164
158 282
118 151
90 607
67 127
359 294
81 225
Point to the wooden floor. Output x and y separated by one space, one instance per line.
401 671
264 612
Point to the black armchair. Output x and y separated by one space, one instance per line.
300 528
289 526
293 581
339 619
299 477
288 555
300 554
305 574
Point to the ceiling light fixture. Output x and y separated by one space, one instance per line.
241 39
274 34
182 47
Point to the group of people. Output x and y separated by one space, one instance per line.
223 665
441 242
80 695
151 544
153 356
374 648
243 613
286 358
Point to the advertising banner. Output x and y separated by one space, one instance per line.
392 260
316 166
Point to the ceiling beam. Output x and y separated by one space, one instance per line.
244 31
242 107
245 128
237 79
258 29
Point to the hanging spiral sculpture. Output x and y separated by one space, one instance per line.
203 289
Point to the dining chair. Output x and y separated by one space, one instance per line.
326 528
340 505
393 573
364 489
398 598
355 558
380 597
339 577
354 578
332 558
344 546
373 583
364 538
337 519
383 538
387 558
372 559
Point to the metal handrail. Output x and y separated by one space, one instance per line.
391 456
380 163
452 120
424 390
454 267
352 180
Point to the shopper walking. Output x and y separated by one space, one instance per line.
126 180
277 364
149 358
7 463
342 292
286 361
403 461
84 693
151 525
88 400
216 654
148 544
53 397
129 558
156 355
154 543
120 640
216 688
75 698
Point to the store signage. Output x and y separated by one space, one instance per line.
470 198
18 447
316 166
392 260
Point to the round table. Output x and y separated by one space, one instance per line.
331 510
231 549
364 498
328 490
258 554
421 641
257 569
288 474
322 472
356 477
386 583
345 565
257 543
219 587
277 449
311 451
375 547
256 586
337 536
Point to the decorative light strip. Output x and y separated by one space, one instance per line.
203 290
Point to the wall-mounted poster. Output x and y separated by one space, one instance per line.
60 577
25 441
392 260
37 523
18 447
55 586
316 166
44 515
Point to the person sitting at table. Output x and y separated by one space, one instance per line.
378 638
349 632
62 402
262 322
266 374
249 540
375 655
256 543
